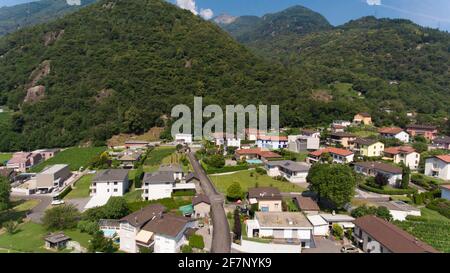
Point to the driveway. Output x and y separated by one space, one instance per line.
323 245
80 203
36 214
221 240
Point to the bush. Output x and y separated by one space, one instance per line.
440 205
10 227
61 217
337 231
116 208
184 193
65 192
99 243
138 177
186 249
261 171
196 241
234 191
89 227
215 161
425 182
388 192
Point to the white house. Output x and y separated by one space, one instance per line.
272 142
183 138
227 140
292 171
107 183
338 155
320 226
345 221
438 166
392 173
394 132
301 143
399 209
445 192
405 154
292 227
161 184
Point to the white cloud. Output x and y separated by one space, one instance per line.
189 5
192 6
73 2
373 2
206 14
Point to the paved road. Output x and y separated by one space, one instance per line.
37 212
221 242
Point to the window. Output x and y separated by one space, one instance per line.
107 190
115 183
115 190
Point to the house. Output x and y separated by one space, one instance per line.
343 220
56 241
256 153
438 166
429 132
272 142
368 147
289 227
107 183
336 128
307 205
310 133
129 158
405 154
131 226
183 138
338 155
202 206
362 118
441 142
136 144
344 139
168 232
320 226
392 173
164 182
303 143
292 171
47 153
227 140
394 132
445 192
252 134
22 161
343 123
267 198
52 177
399 209
375 235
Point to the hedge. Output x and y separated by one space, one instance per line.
388 192
184 193
425 182
226 169
196 241
65 192
169 203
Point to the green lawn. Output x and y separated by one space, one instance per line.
133 196
74 157
19 210
76 235
222 182
157 155
5 157
81 187
430 214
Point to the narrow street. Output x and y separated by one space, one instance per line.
221 241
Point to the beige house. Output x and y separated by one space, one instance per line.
202 206
268 199
362 118
405 154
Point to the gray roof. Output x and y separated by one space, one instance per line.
55 238
142 216
397 205
366 141
170 168
159 178
380 166
442 140
111 175
291 165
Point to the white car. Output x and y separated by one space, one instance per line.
57 202
349 249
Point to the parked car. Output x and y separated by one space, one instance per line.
57 202
349 249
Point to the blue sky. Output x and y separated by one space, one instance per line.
431 13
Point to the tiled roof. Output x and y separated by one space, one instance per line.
398 150
445 158
306 203
380 166
332 150
167 224
200 198
273 138
390 130
111 175
421 127
366 141
258 151
142 216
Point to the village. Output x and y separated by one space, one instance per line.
348 188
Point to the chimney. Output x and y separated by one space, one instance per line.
135 220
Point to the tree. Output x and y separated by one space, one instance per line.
116 208
337 231
334 182
406 176
134 121
381 180
383 213
101 161
420 147
101 244
138 177
364 210
5 191
196 241
216 161
90 227
10 226
61 217
237 225
234 191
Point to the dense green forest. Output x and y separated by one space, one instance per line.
396 65
19 16
119 66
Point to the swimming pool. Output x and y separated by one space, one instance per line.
109 233
254 161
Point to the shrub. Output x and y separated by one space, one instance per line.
440 205
215 161
234 191
61 217
186 249
89 227
99 243
138 177
388 192
261 171
184 193
116 208
337 231
196 241
10 227
65 192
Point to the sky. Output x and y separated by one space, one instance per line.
430 13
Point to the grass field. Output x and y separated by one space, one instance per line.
157 156
133 196
5 157
81 187
74 157
222 182
19 210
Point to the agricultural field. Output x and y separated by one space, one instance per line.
75 157
249 179
431 228
81 188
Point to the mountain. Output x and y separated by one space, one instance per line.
393 64
23 15
224 19
120 66
296 20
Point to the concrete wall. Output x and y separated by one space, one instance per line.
157 191
437 165
127 234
